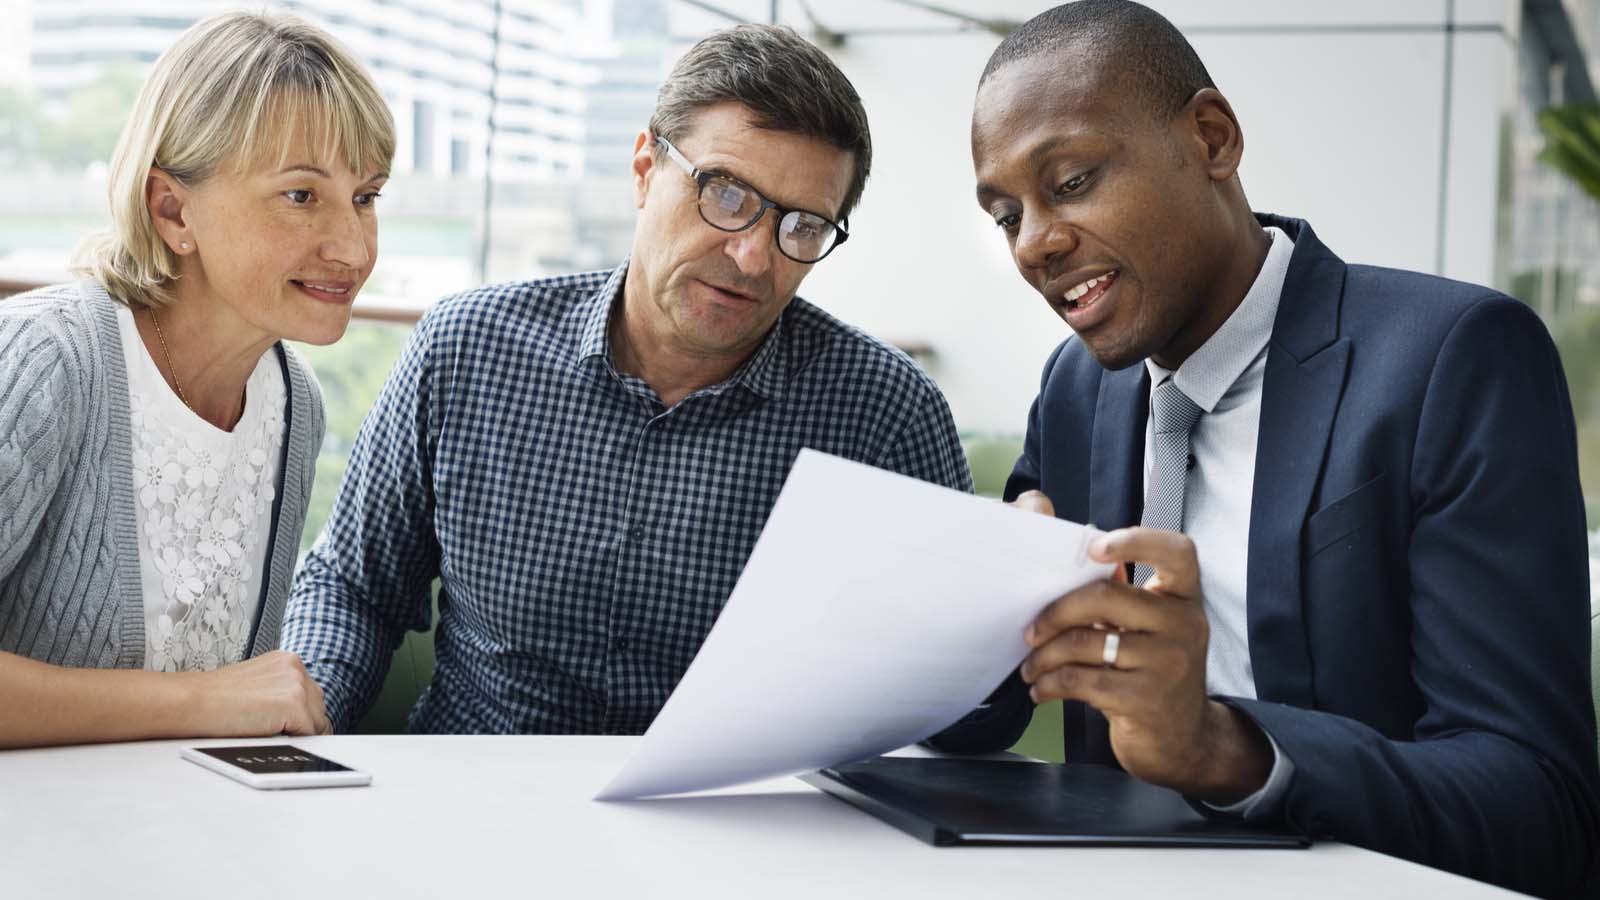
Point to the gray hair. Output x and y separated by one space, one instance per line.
788 83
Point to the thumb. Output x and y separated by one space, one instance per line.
1035 502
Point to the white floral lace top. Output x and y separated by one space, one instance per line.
203 498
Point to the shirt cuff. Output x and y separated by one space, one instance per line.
1269 794
335 701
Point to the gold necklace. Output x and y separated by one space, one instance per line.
171 369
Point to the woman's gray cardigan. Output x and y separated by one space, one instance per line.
70 588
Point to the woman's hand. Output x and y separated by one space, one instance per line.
269 694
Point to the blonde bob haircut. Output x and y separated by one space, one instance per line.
235 90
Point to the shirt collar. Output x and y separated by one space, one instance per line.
764 373
1213 368
594 339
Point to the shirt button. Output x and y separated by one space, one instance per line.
636 533
621 645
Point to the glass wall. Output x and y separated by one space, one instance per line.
514 120
1553 244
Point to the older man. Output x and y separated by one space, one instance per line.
585 462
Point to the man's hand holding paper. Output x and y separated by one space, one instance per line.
874 611
1138 654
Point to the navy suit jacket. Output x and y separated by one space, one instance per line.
1418 567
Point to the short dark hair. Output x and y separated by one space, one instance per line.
1133 40
787 82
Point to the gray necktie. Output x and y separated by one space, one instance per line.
1174 415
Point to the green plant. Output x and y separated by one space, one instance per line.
991 457
351 372
1572 143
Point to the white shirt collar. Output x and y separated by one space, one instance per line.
1213 368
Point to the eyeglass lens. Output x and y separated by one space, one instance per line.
732 205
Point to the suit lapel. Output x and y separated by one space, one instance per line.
1304 380
1116 457
1116 482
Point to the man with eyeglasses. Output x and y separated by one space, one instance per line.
585 462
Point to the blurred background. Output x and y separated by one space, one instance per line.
1407 131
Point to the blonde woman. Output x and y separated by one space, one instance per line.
157 437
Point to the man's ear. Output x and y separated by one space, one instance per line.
167 200
1211 119
644 162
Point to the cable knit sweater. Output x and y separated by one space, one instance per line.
69 548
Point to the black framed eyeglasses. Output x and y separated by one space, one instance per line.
728 204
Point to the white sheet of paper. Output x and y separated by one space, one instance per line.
875 610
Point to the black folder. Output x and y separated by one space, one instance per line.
948 801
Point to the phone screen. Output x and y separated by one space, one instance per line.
273 759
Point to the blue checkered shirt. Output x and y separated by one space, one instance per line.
585 536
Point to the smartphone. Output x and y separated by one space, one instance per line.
275 767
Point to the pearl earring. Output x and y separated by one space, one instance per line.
183 245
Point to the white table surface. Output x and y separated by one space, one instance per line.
464 817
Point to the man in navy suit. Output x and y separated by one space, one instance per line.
1357 606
